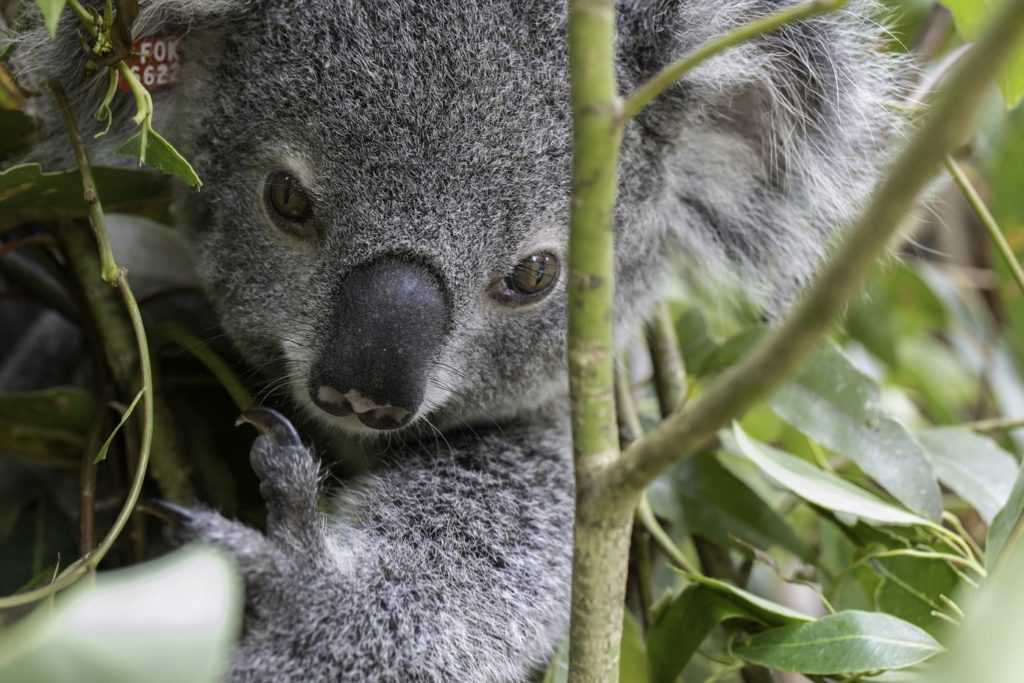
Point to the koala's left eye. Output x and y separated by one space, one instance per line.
287 198
532 278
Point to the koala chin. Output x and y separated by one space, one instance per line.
384 217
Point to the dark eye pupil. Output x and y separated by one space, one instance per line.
288 198
534 274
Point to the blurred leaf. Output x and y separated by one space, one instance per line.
843 644
911 588
819 487
67 408
947 388
159 154
837 405
27 193
51 13
42 445
167 621
1007 524
633 667
971 18
705 498
17 127
987 648
973 466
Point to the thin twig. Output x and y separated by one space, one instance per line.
987 220
995 425
669 369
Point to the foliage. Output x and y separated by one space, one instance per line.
857 521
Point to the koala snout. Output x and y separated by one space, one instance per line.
388 325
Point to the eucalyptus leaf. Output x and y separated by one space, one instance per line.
971 18
102 454
1008 523
975 467
819 487
167 621
684 625
843 644
911 588
51 10
703 497
633 665
67 408
835 404
27 193
160 154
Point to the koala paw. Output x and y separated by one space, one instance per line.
289 483
289 480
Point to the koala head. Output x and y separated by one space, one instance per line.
385 208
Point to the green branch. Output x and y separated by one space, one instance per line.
670 75
119 279
987 220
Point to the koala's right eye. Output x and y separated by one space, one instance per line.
287 198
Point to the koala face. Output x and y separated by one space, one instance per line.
386 204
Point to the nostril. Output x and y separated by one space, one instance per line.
332 400
369 412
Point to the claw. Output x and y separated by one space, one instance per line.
272 425
168 511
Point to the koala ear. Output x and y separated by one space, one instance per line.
38 59
774 142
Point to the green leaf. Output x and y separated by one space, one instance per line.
819 487
703 497
159 154
911 589
843 644
1007 524
758 608
988 648
102 455
633 667
683 626
27 193
973 466
971 18
838 406
67 408
166 621
51 10
17 128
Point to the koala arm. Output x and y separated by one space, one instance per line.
451 563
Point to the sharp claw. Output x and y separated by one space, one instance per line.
272 425
168 511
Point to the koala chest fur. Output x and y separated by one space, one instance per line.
384 218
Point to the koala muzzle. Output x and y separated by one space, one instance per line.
388 325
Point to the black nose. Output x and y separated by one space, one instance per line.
388 323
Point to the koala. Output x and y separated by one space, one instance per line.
383 228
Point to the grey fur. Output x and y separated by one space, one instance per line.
440 131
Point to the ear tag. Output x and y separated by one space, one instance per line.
155 61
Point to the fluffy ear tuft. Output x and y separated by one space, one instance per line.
38 59
777 141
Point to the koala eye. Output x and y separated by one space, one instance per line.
287 198
531 279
